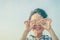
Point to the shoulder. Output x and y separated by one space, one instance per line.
46 37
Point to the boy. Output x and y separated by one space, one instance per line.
38 22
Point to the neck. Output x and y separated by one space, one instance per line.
38 35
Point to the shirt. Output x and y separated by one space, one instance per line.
43 37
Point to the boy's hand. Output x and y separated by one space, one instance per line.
28 27
47 24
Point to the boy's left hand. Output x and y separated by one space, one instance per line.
47 23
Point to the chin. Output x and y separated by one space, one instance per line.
38 31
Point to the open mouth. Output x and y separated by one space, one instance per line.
37 27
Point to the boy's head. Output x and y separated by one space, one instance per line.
36 18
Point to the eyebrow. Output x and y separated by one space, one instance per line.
34 20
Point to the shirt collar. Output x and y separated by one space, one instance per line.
33 36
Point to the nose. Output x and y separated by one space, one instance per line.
37 23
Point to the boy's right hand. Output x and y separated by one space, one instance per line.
28 26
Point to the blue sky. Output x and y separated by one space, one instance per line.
13 13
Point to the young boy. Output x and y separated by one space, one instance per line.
38 22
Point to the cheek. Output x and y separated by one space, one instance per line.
42 29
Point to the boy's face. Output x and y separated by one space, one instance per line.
37 19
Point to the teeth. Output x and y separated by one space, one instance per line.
38 27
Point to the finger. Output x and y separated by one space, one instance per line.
32 26
48 19
27 23
42 25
